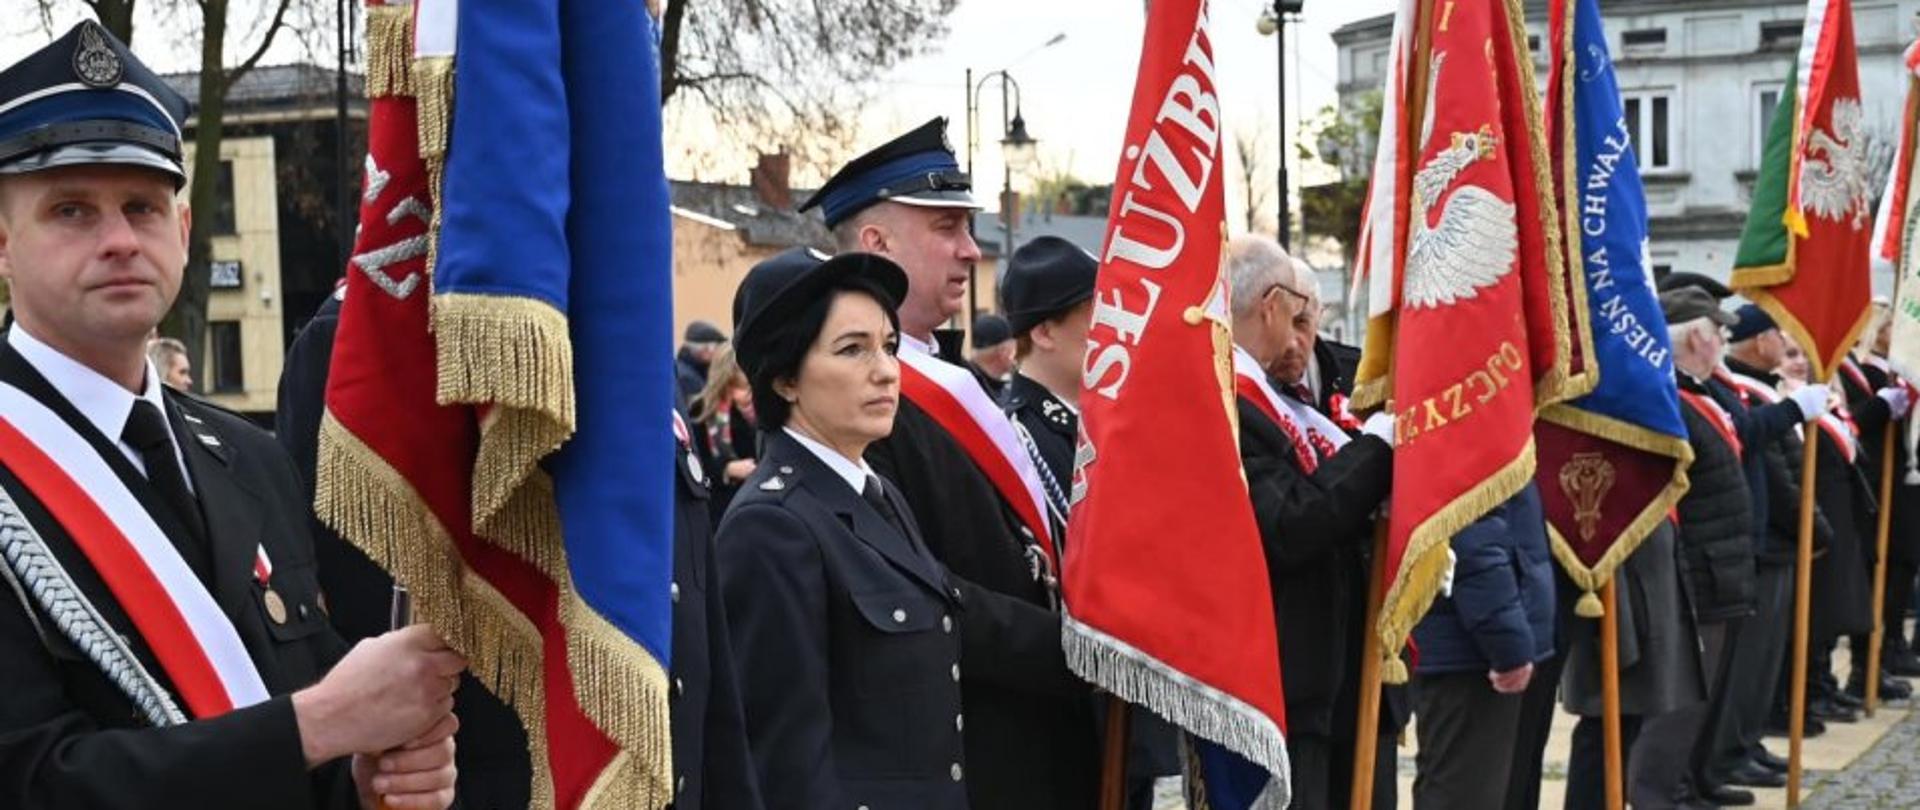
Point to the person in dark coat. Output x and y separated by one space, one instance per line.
1315 511
711 765
698 345
1030 734
993 353
1047 293
848 631
163 639
1759 648
724 430
1478 646
1875 396
1841 580
1660 674
1715 550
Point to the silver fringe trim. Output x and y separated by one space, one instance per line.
29 561
1140 679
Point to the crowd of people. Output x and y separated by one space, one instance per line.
863 617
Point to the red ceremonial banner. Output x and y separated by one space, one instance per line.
1476 331
1165 584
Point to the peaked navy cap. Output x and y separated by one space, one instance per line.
917 168
86 99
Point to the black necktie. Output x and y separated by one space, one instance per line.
147 433
878 500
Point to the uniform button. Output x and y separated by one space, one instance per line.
955 771
674 592
680 785
899 616
303 612
679 686
946 624
786 470
863 807
956 673
959 722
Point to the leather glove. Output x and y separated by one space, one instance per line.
1897 400
1379 426
1812 400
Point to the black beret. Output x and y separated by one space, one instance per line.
703 332
990 330
1046 276
777 288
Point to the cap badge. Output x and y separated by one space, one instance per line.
94 63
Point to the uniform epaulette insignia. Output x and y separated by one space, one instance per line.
773 484
208 439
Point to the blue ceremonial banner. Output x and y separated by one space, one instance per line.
552 314
1612 463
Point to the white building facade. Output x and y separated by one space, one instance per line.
1700 80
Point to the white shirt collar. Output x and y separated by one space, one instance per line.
104 403
854 474
911 342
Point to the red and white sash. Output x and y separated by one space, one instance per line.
194 641
1754 391
1715 415
954 399
1313 436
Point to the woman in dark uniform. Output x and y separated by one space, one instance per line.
843 624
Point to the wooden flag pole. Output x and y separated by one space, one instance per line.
1872 675
1610 695
1803 582
1366 735
1113 769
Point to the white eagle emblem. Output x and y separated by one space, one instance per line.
1476 241
1833 172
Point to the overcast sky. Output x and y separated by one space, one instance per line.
1075 93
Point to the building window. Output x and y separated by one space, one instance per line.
1778 35
223 209
1644 39
1766 102
1533 43
1650 121
223 345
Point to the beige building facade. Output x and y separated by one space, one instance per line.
239 367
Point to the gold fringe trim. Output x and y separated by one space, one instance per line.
432 78
1560 382
620 686
513 353
1373 381
608 667
389 51
375 508
1424 564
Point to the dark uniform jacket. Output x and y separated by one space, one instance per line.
1772 458
70 739
1842 602
1334 362
490 749
847 641
1316 530
1660 666
1031 739
1903 532
1054 426
1716 515
711 766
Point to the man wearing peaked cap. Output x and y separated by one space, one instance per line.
993 349
163 640
1029 735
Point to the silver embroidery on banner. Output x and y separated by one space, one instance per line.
34 566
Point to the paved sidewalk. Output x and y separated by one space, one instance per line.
1887 776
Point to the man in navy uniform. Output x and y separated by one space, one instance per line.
163 640
1030 739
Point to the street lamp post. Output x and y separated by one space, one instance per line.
1017 150
1273 21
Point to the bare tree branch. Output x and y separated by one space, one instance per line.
266 41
